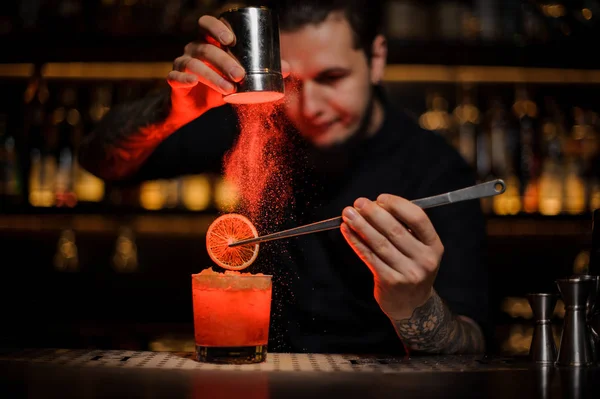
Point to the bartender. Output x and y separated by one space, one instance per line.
394 278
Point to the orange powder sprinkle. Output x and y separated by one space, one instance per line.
256 164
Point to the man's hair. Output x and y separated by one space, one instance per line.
364 16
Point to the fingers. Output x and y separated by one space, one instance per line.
217 30
412 215
376 242
181 79
374 217
217 59
187 66
375 263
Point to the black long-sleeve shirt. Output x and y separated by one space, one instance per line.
323 298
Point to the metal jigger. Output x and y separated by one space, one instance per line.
257 49
575 344
543 347
593 313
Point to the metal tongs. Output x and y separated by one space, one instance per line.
487 189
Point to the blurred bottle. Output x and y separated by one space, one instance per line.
87 187
66 257
467 118
450 20
552 177
125 255
11 183
67 128
488 15
526 111
493 160
502 133
406 20
437 119
574 166
590 152
594 168
41 167
594 256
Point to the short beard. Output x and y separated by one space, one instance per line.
333 161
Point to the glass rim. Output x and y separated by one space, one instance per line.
234 276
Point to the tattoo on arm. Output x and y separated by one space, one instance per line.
433 328
128 119
125 137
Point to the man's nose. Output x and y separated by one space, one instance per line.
312 101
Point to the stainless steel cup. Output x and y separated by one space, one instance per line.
543 348
257 50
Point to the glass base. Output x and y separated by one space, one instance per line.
231 354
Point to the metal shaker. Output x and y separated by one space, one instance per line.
543 348
575 342
257 50
594 270
593 313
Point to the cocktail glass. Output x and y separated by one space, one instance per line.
231 316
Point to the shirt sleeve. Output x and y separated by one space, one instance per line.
196 147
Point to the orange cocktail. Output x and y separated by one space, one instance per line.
231 316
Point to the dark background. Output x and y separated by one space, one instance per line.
53 296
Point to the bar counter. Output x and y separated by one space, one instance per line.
73 373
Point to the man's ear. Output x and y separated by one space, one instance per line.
378 59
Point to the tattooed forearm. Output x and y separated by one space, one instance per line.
128 119
126 135
433 328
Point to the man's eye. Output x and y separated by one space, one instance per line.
329 79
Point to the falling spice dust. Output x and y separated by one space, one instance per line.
257 166
260 167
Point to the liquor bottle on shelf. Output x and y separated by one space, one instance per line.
87 187
40 169
11 184
526 111
589 153
552 144
467 117
66 256
67 128
437 119
594 261
502 144
491 162
450 19
593 170
125 254
574 166
406 20
488 16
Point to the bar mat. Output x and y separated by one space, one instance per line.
276 362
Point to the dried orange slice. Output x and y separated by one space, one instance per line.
225 230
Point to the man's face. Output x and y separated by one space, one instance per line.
329 88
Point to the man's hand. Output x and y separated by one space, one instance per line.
398 242
206 71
